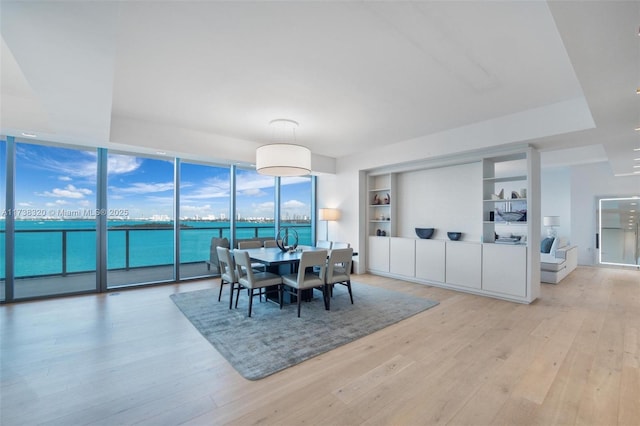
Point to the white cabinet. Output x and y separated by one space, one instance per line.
463 264
504 269
402 256
430 260
378 254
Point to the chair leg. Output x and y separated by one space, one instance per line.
232 285
326 296
299 300
349 287
250 301
280 298
237 295
221 285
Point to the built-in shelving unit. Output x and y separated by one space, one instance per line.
381 210
479 264
504 196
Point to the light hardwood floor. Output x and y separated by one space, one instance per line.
572 357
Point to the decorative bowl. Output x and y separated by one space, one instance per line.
454 236
511 216
424 233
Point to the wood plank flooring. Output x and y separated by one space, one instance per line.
572 357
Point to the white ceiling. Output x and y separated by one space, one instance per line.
209 76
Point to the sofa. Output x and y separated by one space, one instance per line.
557 260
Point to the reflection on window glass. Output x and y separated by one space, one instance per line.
255 205
55 239
139 220
295 206
204 216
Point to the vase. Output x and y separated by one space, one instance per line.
387 199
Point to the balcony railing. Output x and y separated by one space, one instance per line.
55 252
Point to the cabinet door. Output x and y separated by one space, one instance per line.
378 255
430 260
464 264
504 269
402 256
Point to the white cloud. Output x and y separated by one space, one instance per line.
64 178
119 164
208 189
253 192
294 204
144 188
70 191
265 209
57 203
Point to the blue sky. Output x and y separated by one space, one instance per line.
52 178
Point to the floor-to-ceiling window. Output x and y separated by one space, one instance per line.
55 226
204 214
56 247
295 206
255 205
140 242
3 209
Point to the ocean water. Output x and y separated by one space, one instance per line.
40 251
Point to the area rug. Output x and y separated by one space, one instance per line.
273 339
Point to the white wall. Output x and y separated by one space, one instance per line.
446 198
555 199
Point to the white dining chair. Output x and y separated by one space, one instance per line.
339 245
227 271
324 244
243 245
339 270
252 280
306 280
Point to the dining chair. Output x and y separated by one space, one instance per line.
339 270
252 280
227 271
339 245
304 279
270 243
243 245
324 244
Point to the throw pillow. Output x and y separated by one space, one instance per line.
545 245
554 246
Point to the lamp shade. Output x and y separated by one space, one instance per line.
281 159
551 221
329 214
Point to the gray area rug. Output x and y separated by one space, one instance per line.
273 339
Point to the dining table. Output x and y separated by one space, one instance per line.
278 261
283 263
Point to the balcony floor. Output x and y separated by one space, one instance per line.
27 288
